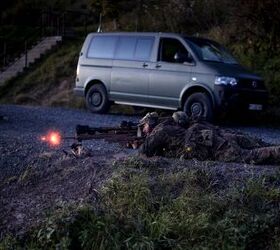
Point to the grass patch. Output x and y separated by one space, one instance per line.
148 207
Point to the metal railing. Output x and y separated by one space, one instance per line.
12 49
46 23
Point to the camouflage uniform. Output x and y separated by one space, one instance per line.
204 141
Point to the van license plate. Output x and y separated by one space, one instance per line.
255 107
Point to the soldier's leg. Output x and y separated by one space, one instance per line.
230 152
244 141
264 155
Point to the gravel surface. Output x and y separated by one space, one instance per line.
20 134
267 134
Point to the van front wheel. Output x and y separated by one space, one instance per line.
198 105
97 99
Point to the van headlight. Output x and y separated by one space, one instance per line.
224 80
78 71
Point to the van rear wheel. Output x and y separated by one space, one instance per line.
97 99
198 105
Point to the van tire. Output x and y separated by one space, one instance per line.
97 99
199 105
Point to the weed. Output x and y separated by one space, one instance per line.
26 175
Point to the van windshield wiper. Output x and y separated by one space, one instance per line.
220 61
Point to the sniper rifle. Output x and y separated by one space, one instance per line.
127 133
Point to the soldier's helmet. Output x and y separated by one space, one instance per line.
150 118
180 118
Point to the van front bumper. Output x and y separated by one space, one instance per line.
231 98
79 91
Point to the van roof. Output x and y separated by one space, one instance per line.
169 34
138 33
133 33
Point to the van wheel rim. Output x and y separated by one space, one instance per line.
196 109
96 99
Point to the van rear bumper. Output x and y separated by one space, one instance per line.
240 98
79 91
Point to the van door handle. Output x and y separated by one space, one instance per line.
145 65
158 66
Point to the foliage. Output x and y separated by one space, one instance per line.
144 207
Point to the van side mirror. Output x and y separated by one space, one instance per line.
180 57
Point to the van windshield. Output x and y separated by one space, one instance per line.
210 51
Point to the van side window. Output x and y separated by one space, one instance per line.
102 47
170 49
126 47
144 48
134 48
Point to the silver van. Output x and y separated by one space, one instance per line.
167 71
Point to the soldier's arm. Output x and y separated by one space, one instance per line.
155 143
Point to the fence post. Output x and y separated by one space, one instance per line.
4 54
25 44
57 25
85 23
42 24
63 24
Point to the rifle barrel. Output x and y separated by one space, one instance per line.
115 137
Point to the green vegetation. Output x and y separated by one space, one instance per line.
148 206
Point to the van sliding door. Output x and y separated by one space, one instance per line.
130 73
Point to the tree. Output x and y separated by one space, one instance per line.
258 21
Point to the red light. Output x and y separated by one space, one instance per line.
53 138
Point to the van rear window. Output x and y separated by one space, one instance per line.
121 47
102 47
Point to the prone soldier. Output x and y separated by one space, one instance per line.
184 138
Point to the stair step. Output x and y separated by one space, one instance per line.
44 45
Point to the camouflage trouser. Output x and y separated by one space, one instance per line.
264 155
232 152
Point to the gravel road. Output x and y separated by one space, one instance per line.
20 134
